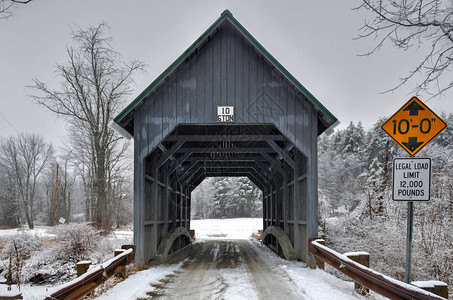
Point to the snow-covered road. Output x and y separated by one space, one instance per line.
232 269
225 269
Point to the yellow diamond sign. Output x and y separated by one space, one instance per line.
413 126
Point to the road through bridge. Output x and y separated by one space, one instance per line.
225 107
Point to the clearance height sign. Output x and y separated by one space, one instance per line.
413 126
411 179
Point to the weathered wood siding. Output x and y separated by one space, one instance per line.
225 71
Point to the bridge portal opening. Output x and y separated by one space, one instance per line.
226 207
225 198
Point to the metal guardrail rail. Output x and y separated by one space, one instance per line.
382 284
83 285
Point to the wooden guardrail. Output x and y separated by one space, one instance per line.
86 283
382 284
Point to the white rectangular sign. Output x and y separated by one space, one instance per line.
225 114
411 179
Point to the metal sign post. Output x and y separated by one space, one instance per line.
410 221
411 182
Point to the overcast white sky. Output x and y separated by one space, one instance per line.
312 39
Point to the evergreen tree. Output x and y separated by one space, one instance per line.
220 197
353 139
247 197
226 197
445 138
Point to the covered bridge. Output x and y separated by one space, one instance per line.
225 107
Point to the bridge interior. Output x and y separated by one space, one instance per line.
191 153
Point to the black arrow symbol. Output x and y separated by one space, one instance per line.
412 144
413 108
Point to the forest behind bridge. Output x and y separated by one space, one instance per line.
357 213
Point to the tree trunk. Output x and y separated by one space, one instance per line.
101 191
31 224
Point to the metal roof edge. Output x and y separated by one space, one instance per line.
282 69
172 67
226 14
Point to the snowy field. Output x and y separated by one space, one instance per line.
40 231
30 291
240 228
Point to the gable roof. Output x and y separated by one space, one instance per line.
126 116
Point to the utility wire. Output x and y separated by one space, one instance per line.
9 123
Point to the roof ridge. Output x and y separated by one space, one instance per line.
226 12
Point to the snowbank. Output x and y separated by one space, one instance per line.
136 286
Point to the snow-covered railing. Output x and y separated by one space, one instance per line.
83 285
382 284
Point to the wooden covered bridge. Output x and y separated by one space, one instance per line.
225 107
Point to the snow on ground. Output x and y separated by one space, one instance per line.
122 234
316 284
40 231
236 287
240 228
103 253
139 283
29 292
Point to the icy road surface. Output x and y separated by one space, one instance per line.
230 269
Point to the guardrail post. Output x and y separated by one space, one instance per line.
436 287
132 257
82 267
319 263
11 296
122 273
362 258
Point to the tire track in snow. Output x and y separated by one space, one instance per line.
198 277
268 283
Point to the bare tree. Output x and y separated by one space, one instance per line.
425 25
9 206
94 84
7 5
66 184
24 157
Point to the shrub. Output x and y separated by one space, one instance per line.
25 243
75 240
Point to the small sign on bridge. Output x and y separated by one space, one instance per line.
225 114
